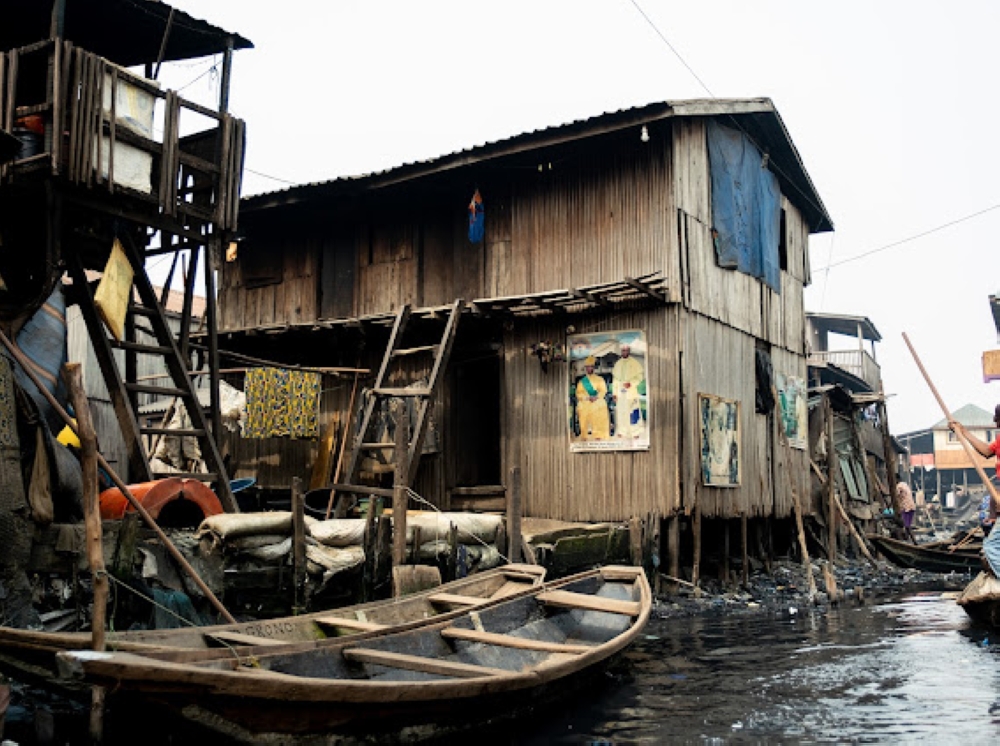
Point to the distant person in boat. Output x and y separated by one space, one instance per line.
905 504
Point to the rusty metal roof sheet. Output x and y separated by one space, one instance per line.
757 117
127 32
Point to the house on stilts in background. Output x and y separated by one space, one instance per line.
602 320
101 168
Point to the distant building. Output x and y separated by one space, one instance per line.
938 461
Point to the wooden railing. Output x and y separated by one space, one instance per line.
95 124
856 362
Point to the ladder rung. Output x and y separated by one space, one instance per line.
404 392
144 311
144 388
377 446
139 347
414 350
168 431
200 476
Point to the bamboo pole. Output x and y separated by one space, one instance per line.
298 547
73 377
854 530
346 429
514 516
399 487
144 514
961 438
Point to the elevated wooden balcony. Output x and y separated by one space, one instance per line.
857 363
110 131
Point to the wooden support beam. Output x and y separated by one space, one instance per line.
642 287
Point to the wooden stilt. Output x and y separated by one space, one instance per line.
674 545
514 516
696 559
725 552
73 376
400 498
831 481
745 575
298 547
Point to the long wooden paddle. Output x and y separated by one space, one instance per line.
961 438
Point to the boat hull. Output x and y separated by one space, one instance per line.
493 661
926 559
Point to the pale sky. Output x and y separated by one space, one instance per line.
891 104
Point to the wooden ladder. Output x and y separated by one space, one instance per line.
423 394
123 393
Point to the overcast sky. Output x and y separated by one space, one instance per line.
891 104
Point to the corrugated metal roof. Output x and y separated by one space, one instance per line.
757 117
134 37
843 324
970 415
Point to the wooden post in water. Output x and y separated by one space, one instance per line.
674 546
514 516
73 376
298 546
831 481
745 575
696 559
399 485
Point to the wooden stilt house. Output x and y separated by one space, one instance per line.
632 335
107 157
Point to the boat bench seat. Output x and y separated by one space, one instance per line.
420 663
510 641
571 600
453 599
239 638
357 624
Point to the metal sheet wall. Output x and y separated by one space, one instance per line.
608 486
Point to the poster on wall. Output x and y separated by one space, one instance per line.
608 400
792 396
720 441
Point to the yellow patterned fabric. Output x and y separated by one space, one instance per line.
282 403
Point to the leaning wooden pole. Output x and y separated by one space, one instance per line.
961 439
73 376
400 496
143 513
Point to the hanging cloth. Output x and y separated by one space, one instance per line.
477 218
282 403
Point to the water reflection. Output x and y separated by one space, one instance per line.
901 672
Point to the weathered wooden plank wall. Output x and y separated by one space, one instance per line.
585 223
590 486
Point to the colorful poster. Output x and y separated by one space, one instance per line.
794 401
608 400
720 441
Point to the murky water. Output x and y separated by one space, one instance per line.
907 671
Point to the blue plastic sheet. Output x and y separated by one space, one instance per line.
746 206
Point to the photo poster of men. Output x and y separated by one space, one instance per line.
608 401
720 440
793 397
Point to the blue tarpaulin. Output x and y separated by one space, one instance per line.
746 206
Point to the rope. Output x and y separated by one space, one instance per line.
417 498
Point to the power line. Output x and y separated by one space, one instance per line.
671 47
911 238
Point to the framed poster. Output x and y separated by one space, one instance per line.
793 398
720 441
608 399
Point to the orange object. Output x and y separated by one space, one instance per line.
156 495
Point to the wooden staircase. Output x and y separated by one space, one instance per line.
124 392
421 393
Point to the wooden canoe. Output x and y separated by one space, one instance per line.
28 655
981 599
935 557
499 660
